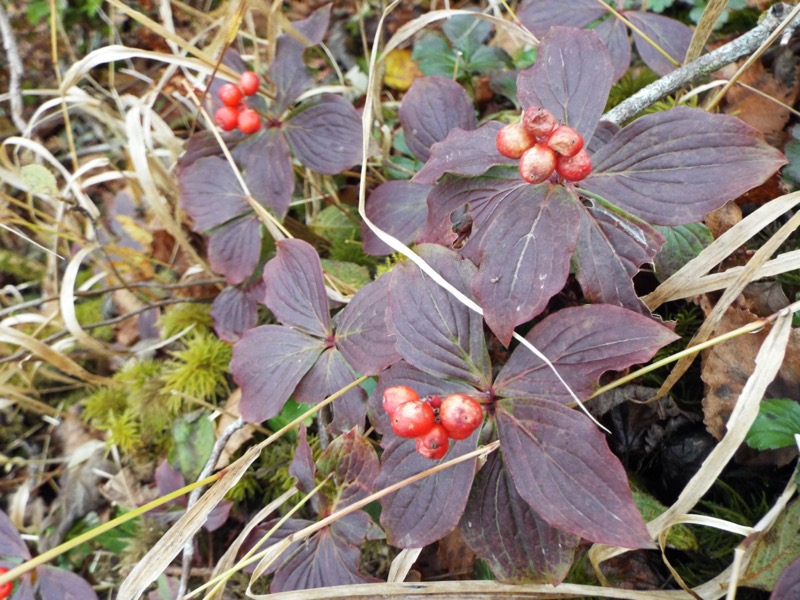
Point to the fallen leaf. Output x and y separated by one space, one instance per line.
401 70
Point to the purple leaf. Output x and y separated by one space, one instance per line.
614 34
468 153
398 207
235 249
234 311
611 248
562 467
285 529
503 530
61 584
571 78
402 373
540 15
267 167
434 331
583 343
326 136
537 231
671 35
354 464
210 193
674 167
11 543
168 479
328 375
302 467
288 73
431 108
788 584
295 290
314 26
426 510
602 135
362 335
323 561
268 363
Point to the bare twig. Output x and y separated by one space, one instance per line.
702 67
15 70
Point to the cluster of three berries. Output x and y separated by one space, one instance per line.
432 421
543 146
235 113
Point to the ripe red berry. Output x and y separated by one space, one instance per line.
396 395
434 401
574 168
230 94
412 419
249 121
537 164
226 118
5 589
565 141
540 122
249 83
433 444
460 415
513 140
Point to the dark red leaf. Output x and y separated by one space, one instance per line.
674 167
427 510
268 362
540 15
614 34
468 153
561 466
267 166
434 331
401 373
235 248
234 311
285 529
326 135
210 193
352 460
295 289
671 35
605 131
11 543
525 256
362 335
302 467
611 248
583 343
324 560
430 109
288 73
61 584
788 585
400 208
571 78
328 375
503 530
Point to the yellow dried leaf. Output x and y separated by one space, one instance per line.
401 70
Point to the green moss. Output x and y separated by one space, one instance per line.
201 369
184 315
91 311
124 431
104 405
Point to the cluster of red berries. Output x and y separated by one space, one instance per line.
543 145
5 589
432 421
235 113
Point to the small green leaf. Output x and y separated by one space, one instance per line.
467 33
792 170
775 426
353 275
683 243
193 440
659 6
488 58
334 225
291 410
39 179
434 56
680 537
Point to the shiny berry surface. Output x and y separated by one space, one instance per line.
460 415
7 587
574 168
412 419
230 94
565 141
513 140
249 83
396 395
249 121
226 118
537 164
433 444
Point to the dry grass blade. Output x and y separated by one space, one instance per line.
67 302
168 547
704 28
402 564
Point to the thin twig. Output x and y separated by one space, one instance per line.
702 67
188 549
15 70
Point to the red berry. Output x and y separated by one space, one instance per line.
226 118
537 164
434 401
433 444
540 122
5 589
513 140
566 141
412 419
249 83
460 415
230 94
396 395
249 121
574 168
